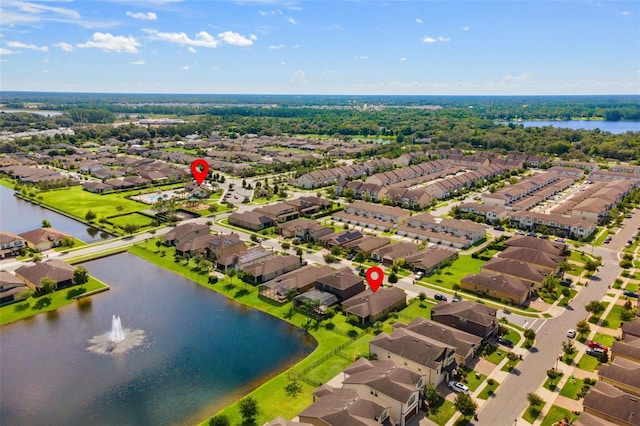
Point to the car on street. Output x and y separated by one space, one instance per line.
607 240
631 294
596 352
350 256
458 387
440 297
498 228
505 342
571 333
532 234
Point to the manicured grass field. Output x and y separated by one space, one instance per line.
588 363
472 382
77 202
531 414
613 320
50 302
572 387
134 218
460 268
555 414
443 413
488 390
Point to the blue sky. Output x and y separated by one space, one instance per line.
322 47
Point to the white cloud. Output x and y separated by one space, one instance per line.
361 58
325 72
203 39
291 21
64 46
466 28
19 45
419 21
4 51
430 40
521 77
403 59
270 12
17 12
45 60
138 62
625 13
185 68
276 47
145 16
111 43
191 49
236 39
298 77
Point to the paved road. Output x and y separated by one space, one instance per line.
510 399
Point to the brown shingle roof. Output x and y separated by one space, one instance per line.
54 269
611 401
385 376
471 311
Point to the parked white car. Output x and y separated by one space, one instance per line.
458 387
571 333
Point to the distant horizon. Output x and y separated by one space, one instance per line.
324 48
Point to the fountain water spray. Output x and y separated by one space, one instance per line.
117 333
116 341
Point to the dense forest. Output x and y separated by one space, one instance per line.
462 122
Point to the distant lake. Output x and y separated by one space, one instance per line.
201 348
605 126
19 216
32 111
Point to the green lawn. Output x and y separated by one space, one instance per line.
495 355
473 382
460 268
613 320
571 388
136 218
531 414
488 390
556 414
77 202
632 287
76 243
588 363
442 413
50 302
549 386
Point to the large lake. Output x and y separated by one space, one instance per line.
200 349
605 126
18 216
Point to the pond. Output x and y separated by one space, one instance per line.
19 216
199 348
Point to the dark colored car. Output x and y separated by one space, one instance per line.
505 342
595 352
566 282
631 294
440 297
498 228
531 234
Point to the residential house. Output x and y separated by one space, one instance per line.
429 259
388 383
460 228
367 244
340 238
371 307
10 287
303 229
538 258
221 246
472 317
531 275
344 406
10 244
240 259
343 283
96 187
498 286
533 243
623 374
390 253
184 232
41 239
492 214
251 220
58 271
553 223
281 421
465 344
433 360
631 330
268 269
297 281
612 404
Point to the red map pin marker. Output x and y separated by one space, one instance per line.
200 170
374 278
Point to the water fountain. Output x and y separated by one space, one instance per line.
116 341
